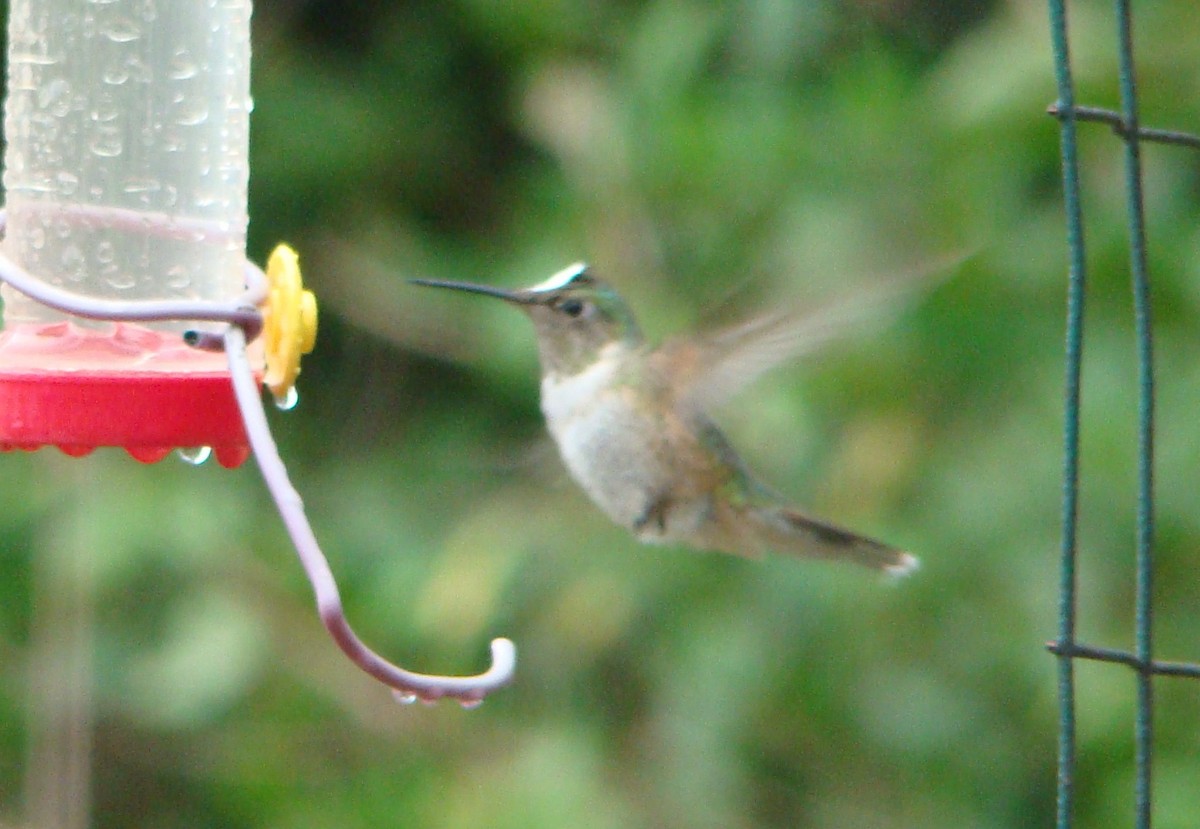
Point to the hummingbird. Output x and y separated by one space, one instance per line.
632 426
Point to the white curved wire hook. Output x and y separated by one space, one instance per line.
407 685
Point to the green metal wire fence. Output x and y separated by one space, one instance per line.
1066 647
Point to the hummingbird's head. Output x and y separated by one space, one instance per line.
575 315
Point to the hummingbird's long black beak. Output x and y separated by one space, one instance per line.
519 297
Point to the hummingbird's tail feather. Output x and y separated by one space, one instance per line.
784 530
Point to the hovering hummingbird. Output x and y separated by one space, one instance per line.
631 421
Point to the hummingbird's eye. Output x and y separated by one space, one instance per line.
572 307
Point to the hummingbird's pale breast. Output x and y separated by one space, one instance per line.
626 450
607 442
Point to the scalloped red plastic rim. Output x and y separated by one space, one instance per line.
128 386
148 414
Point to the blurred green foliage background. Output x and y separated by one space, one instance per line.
161 664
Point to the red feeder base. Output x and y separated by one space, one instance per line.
128 386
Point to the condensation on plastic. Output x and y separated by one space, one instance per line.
126 166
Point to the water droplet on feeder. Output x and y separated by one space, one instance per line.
289 400
116 278
123 31
404 697
470 704
115 75
191 112
195 455
182 67
107 144
178 277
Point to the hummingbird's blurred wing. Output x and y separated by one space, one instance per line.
713 368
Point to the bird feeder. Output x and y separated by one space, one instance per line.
126 170
131 316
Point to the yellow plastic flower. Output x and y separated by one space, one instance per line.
289 322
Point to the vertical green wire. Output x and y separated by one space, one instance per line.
1144 725
1076 284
